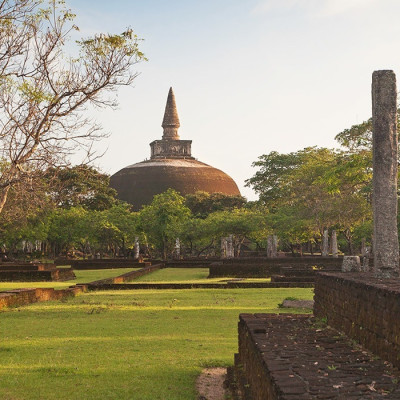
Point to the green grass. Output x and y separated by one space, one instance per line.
136 345
82 276
186 275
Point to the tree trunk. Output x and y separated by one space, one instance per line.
3 197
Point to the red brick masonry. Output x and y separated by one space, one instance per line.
21 297
296 357
365 308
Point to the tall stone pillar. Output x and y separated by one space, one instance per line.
334 245
136 249
384 198
325 244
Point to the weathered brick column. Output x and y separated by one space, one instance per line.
384 112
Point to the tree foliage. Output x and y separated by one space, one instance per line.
203 203
314 189
81 185
44 92
161 222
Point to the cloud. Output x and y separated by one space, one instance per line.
317 8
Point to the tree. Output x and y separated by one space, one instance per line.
314 189
80 185
116 227
24 215
44 92
359 136
162 221
241 223
69 229
205 234
203 203
273 181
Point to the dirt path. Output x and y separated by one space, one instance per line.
210 384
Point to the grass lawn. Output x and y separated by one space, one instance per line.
82 276
185 275
133 345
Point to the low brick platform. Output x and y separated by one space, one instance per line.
107 263
33 274
26 266
22 297
266 267
296 357
228 285
188 263
127 277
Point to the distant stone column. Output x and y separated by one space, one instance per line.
363 247
136 249
223 247
274 253
230 252
325 244
365 260
269 246
177 248
334 245
384 198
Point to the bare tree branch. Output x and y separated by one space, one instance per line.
44 94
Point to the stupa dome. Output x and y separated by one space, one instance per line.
171 166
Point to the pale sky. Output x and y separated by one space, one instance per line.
249 76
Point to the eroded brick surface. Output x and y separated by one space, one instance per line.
364 307
297 357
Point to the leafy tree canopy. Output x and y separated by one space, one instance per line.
203 203
81 185
161 221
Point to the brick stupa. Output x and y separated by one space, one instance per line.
171 166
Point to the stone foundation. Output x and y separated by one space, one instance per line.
228 285
266 267
22 297
129 276
296 357
35 273
365 308
107 263
202 263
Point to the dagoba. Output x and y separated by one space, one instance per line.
171 166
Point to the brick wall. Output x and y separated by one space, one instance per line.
62 274
106 263
129 276
21 297
258 267
364 308
202 263
10 266
256 381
